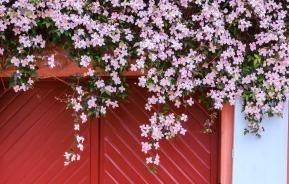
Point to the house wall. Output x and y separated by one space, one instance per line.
260 160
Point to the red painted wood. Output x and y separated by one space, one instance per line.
94 150
188 159
65 66
35 131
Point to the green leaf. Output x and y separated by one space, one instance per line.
166 108
152 169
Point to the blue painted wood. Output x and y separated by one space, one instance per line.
260 160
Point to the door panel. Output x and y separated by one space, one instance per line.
35 131
185 159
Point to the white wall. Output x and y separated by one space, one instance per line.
260 160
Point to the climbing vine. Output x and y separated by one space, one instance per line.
225 49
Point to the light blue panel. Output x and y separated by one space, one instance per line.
260 160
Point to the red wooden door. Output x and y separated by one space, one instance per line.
188 159
35 130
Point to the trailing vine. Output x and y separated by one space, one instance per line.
227 48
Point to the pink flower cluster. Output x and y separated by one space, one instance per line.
25 80
264 49
161 127
227 48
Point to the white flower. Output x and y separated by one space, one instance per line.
76 127
91 102
183 131
73 157
1 51
103 110
30 81
90 72
146 147
15 61
79 139
157 160
51 61
85 61
156 146
67 155
16 88
190 101
80 147
113 104
99 83
79 90
184 117
77 106
83 118
149 160
156 133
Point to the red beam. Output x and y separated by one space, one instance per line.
227 131
65 66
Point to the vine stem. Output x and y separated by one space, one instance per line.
61 80
3 84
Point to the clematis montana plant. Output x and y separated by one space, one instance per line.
226 48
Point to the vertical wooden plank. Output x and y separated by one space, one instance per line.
215 141
227 123
94 150
101 152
